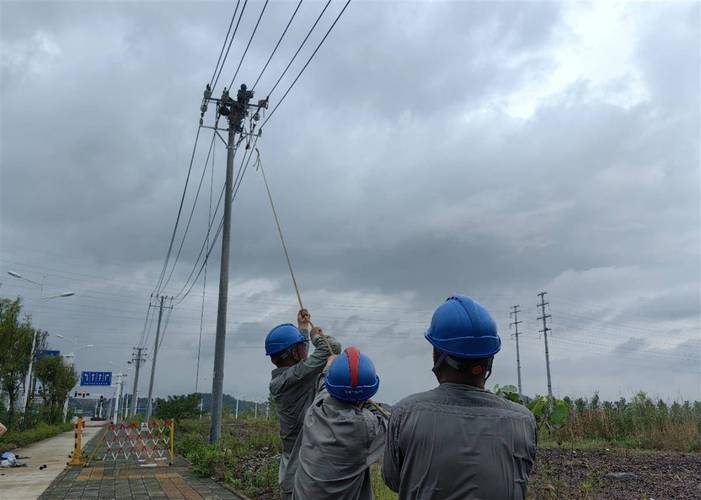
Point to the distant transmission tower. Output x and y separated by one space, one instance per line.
514 313
545 331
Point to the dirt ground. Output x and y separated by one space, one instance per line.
615 474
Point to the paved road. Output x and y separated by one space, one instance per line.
29 482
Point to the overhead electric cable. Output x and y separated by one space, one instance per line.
209 228
300 47
243 56
230 42
204 281
221 52
192 211
148 312
152 321
299 4
177 218
165 324
307 64
180 296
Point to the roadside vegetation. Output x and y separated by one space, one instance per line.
52 381
246 458
640 422
19 438
602 435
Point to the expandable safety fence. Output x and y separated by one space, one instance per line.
147 442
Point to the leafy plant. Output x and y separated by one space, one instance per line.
178 407
509 392
56 379
550 413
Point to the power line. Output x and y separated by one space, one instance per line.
181 296
192 211
299 4
177 218
306 64
255 28
148 312
204 281
216 67
167 320
299 48
230 41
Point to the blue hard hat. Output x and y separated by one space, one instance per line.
281 338
463 328
352 377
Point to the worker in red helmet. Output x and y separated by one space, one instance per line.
460 441
293 384
342 436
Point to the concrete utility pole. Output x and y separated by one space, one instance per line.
235 111
137 357
545 331
117 397
514 313
149 406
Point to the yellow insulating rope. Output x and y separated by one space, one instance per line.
259 165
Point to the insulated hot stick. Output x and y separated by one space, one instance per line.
377 407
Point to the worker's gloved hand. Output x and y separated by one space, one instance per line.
303 319
316 332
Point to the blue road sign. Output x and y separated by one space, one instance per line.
43 354
96 378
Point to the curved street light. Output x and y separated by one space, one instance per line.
27 381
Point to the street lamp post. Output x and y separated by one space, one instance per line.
121 377
27 382
71 356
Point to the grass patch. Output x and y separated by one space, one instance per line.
18 439
247 456
379 488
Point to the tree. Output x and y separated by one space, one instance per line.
178 407
16 335
57 379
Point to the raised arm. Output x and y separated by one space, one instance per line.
314 364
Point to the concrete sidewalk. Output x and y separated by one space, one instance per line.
29 482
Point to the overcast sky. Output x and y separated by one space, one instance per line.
430 148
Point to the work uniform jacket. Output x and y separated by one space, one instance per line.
339 442
458 442
293 389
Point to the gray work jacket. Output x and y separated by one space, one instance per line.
292 389
339 443
458 442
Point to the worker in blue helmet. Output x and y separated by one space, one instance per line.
342 436
460 441
293 383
